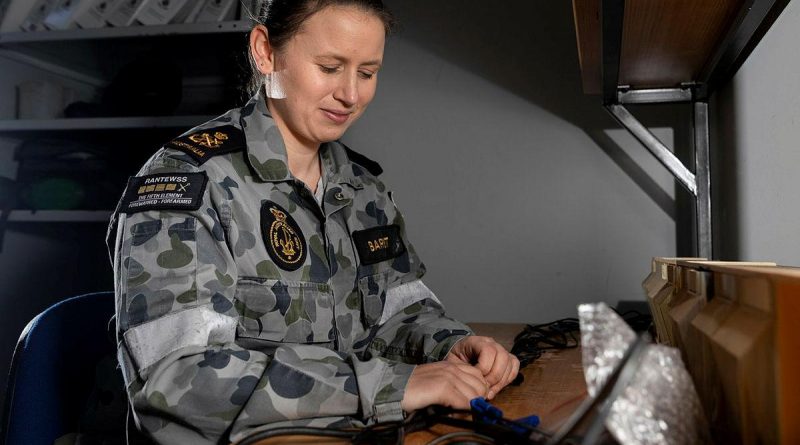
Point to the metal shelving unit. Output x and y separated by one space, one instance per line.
643 52
125 32
92 57
100 123
68 216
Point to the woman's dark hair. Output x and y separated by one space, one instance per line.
284 18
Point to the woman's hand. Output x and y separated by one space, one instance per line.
497 366
444 383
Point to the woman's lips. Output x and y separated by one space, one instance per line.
338 117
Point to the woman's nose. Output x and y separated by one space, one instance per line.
347 91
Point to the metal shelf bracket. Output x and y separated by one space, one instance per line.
614 97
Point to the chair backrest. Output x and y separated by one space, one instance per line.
53 369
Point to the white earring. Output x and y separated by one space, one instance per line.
273 86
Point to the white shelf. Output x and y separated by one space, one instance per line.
70 216
126 32
101 123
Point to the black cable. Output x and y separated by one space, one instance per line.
296 431
535 339
502 432
638 321
562 334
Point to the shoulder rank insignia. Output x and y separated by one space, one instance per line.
166 191
283 237
204 144
357 158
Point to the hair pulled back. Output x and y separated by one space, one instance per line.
284 18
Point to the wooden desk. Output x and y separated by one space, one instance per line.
554 386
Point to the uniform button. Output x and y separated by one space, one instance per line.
339 196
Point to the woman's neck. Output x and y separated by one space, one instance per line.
302 155
304 164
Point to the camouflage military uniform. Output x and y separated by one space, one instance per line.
243 302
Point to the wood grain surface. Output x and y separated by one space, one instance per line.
664 43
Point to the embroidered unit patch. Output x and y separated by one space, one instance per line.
283 238
170 191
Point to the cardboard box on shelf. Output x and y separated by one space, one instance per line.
14 13
162 12
124 12
96 15
217 11
35 19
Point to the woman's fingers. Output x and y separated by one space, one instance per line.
496 365
444 383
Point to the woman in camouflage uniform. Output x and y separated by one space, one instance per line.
262 271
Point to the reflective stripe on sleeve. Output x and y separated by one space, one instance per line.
403 296
150 342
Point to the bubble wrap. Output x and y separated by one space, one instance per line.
660 405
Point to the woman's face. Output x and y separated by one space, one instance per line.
329 72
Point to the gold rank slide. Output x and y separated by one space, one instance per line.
171 191
205 144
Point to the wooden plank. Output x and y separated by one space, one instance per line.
668 42
752 387
587 33
664 43
787 294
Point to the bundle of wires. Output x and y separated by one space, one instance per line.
562 334
504 431
535 339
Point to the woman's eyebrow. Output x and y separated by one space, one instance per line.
375 62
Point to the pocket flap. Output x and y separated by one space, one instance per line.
284 311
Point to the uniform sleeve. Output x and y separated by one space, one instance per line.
187 378
413 327
420 332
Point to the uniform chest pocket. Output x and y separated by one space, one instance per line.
284 311
373 297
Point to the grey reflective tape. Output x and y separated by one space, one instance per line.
403 296
150 342
389 412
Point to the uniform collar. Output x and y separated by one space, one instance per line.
266 151
338 167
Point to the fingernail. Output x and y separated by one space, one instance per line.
491 394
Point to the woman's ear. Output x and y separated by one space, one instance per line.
261 50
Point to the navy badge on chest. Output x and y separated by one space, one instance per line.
283 238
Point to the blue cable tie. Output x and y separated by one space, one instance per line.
530 420
485 412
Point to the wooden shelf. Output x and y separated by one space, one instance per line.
101 123
666 44
51 216
126 32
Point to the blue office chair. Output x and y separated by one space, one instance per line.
53 372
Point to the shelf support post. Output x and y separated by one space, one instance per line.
703 178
